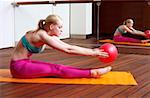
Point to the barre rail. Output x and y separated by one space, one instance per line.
16 4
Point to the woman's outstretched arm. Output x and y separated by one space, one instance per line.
133 31
54 42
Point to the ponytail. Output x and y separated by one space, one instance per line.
124 23
44 23
41 24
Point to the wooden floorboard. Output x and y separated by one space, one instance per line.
138 65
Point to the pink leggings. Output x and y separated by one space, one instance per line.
27 68
125 39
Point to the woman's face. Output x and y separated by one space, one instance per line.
130 23
56 29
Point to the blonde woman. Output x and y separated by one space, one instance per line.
49 29
127 28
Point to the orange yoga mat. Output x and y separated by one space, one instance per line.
124 43
111 78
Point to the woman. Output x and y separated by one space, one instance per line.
22 66
126 33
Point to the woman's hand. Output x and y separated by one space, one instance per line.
101 53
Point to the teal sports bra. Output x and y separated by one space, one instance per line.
29 47
121 31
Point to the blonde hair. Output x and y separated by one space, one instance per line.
127 21
51 19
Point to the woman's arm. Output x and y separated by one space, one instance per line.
128 30
71 49
140 33
133 31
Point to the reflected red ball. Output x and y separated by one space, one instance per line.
112 52
147 33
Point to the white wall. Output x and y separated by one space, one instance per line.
14 22
88 22
81 19
6 24
28 16
63 10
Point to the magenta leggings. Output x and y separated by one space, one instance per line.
125 39
27 68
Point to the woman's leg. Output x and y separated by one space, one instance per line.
125 39
34 69
134 36
74 72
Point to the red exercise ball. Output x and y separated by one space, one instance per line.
147 32
112 52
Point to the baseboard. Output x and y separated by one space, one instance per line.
78 36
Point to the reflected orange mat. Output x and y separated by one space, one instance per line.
111 78
124 43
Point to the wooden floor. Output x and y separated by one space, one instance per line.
138 65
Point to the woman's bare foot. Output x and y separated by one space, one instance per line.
145 41
100 71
